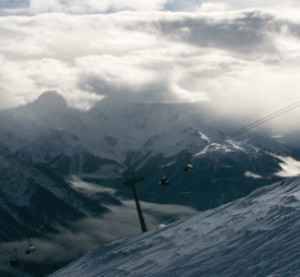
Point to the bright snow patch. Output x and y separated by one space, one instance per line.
204 137
254 236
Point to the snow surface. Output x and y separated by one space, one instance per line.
253 236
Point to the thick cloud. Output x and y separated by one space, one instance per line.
214 52
257 3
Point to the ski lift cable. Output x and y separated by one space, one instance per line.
252 125
219 140
11 249
231 135
15 261
240 131
261 121
264 119
30 246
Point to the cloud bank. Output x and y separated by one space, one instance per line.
241 57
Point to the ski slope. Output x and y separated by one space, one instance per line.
254 236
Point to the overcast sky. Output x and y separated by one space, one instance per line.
243 56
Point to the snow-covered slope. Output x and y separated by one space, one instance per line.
254 236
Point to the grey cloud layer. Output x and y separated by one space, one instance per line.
247 32
110 6
13 3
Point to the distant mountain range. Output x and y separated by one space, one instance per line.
44 142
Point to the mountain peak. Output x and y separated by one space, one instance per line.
51 97
49 102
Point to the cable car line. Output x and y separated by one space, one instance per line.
241 130
11 249
14 262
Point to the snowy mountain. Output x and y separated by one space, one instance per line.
254 236
114 129
46 145
222 173
116 135
109 130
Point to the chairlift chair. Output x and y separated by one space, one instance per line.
189 167
30 248
164 181
15 261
